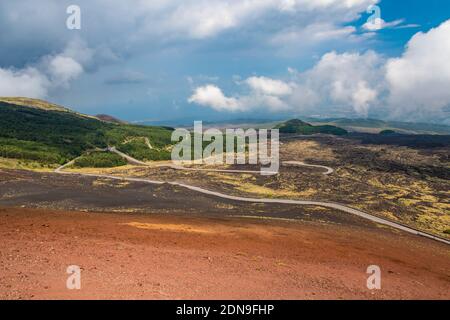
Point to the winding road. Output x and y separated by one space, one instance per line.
134 161
331 205
299 163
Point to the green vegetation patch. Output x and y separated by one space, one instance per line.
100 160
53 136
30 150
138 149
160 137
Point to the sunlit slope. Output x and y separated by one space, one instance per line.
33 103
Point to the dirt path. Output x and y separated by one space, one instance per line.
147 142
125 256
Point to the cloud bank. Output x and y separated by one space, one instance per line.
129 44
412 86
38 54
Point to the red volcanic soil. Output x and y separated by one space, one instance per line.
129 256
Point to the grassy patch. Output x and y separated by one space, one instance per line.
138 149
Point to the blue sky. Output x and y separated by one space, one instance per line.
179 60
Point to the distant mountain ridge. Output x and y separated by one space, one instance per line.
373 126
376 126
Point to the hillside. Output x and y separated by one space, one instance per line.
301 127
47 133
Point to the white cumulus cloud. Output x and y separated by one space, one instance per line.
28 82
63 69
419 80
269 86
49 73
348 79
212 96
263 91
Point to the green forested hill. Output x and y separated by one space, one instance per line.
56 135
301 127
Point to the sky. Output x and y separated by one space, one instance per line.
210 60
